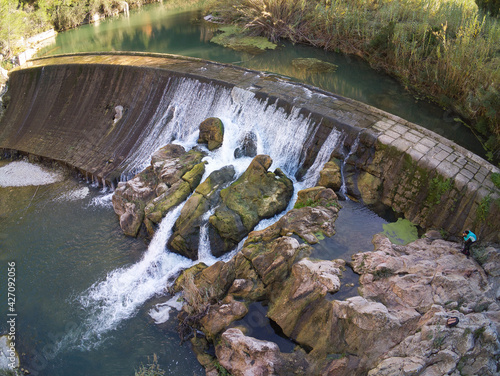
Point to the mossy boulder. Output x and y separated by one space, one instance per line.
330 176
211 133
186 236
145 199
313 65
256 195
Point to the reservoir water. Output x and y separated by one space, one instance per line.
90 300
163 29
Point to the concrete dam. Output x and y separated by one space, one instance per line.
104 114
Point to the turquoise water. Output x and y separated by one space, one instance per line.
63 238
155 28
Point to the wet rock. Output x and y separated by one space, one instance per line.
330 176
300 300
317 217
211 133
256 195
369 188
145 199
248 146
312 65
220 316
246 356
186 236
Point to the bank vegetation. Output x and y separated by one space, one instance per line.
22 19
445 51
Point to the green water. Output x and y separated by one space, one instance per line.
62 241
156 28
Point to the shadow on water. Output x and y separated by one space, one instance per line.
256 324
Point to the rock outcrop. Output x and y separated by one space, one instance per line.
398 324
248 146
255 195
186 236
211 133
145 199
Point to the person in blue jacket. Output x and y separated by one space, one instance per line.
469 238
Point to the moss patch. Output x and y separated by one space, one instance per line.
234 37
401 232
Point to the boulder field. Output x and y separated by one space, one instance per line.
398 325
422 309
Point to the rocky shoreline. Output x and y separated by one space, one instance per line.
397 325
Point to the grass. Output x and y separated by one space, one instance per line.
447 51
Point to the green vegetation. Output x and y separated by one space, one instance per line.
401 232
447 51
234 37
438 187
483 209
220 369
495 178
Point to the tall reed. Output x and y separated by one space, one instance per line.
446 50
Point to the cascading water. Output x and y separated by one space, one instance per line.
343 187
184 106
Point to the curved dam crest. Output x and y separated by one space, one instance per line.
62 108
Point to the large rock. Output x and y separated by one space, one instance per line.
211 133
315 213
301 299
257 194
186 237
330 176
145 199
220 316
246 356
248 147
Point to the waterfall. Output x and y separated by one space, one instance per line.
118 297
185 104
343 187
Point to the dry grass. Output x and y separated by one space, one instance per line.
445 50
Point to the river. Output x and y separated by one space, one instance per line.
89 299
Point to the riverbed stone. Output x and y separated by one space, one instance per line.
330 176
257 194
145 199
211 133
248 146
186 235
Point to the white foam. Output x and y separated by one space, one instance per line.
74 195
104 200
124 290
22 173
161 312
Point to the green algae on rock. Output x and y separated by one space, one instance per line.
401 232
234 37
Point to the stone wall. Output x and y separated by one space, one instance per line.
62 108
